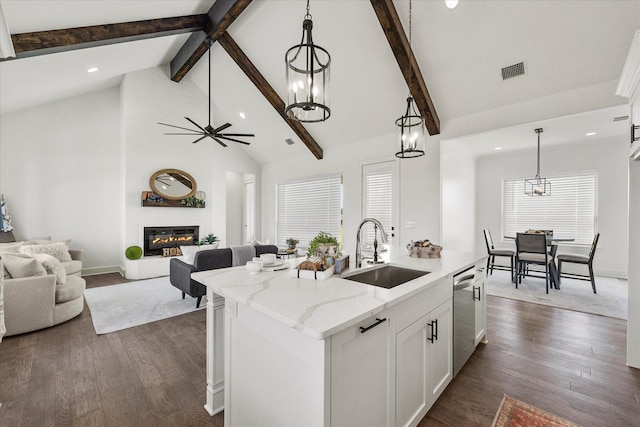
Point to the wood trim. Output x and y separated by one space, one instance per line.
219 18
393 30
232 48
55 41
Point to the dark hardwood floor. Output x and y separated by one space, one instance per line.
569 363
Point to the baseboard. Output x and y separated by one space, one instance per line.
102 270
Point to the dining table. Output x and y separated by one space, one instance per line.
552 243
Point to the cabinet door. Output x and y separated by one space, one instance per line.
440 350
412 397
361 374
480 304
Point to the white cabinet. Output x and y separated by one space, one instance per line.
361 373
480 303
423 363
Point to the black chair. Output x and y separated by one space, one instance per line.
532 249
493 253
579 259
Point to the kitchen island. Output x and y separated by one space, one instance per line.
330 352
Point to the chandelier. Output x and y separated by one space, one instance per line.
307 78
537 186
410 127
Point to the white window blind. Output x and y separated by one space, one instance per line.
377 200
309 206
570 210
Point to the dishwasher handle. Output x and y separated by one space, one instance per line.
463 282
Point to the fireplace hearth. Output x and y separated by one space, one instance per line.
158 238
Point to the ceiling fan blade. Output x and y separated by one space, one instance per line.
196 125
223 127
234 140
194 133
199 139
179 127
237 134
218 141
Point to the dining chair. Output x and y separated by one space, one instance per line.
532 249
579 259
493 253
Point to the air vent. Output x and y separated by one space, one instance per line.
620 118
514 70
289 141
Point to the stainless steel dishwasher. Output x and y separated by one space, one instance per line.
464 318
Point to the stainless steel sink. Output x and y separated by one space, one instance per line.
388 276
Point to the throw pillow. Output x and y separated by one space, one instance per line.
10 248
189 252
5 273
18 266
58 250
3 328
52 266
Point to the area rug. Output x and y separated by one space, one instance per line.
577 295
125 305
514 413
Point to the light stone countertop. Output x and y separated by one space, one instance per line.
321 308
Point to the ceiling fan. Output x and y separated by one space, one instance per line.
209 131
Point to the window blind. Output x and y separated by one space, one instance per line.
309 206
377 201
570 210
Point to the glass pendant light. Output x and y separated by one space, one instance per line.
410 127
537 186
307 78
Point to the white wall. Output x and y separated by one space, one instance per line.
458 175
234 208
608 158
60 173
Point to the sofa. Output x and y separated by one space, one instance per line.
180 271
43 300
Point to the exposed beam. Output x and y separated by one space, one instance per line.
54 41
219 18
265 88
390 22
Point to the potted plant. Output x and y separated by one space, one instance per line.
291 242
323 244
209 239
192 201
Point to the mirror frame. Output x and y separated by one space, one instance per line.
152 183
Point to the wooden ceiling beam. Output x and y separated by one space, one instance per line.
393 30
219 18
268 92
55 41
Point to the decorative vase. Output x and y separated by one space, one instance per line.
133 252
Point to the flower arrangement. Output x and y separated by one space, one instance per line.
291 242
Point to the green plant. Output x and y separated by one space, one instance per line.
133 252
208 239
291 242
322 238
192 201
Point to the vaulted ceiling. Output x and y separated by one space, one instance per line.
565 45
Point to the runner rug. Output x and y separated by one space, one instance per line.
514 413
125 305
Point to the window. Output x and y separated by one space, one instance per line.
377 199
309 206
570 210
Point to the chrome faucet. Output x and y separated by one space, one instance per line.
383 238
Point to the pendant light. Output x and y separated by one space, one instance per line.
410 127
307 78
537 186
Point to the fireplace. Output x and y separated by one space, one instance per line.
158 238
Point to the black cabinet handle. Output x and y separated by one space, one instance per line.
434 330
634 138
378 321
476 288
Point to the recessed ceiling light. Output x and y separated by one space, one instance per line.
589 134
92 69
498 148
451 4
242 115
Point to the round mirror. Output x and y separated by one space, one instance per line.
173 184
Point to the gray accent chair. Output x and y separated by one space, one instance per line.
212 259
493 253
579 259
